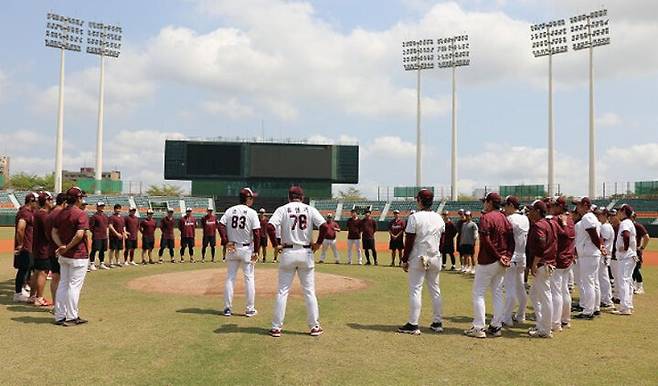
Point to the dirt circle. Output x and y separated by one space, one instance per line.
210 282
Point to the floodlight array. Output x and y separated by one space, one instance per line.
104 39
453 51
418 54
549 38
64 32
590 30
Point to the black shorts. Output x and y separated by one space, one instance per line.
23 260
209 240
263 242
187 242
99 245
116 244
467 249
54 265
368 243
447 248
147 243
166 243
396 244
42 264
131 244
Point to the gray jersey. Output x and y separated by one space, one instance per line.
469 233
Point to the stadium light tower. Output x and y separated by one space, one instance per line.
418 55
102 40
589 31
549 39
64 33
453 52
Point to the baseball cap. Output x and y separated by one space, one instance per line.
412 211
76 192
30 197
460 211
330 215
601 210
247 192
117 206
538 205
582 200
368 211
150 211
296 192
467 213
512 200
492 197
445 213
60 198
188 209
210 208
261 210
626 209
612 212
425 195
170 210
100 203
560 201
396 211
132 209
44 196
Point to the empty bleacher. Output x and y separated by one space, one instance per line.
199 206
326 206
376 207
142 203
6 203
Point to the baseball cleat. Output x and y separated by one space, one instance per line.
584 316
409 329
607 306
92 267
20 298
625 312
316 331
538 334
103 266
275 332
251 313
475 332
61 322
566 325
494 332
557 328
76 321
597 313
227 312
436 327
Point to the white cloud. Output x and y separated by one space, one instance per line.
608 120
389 147
636 157
231 108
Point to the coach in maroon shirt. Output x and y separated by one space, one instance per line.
40 248
448 241
147 228
23 245
187 227
132 226
167 235
396 240
368 229
209 223
98 223
117 227
60 203
70 235
642 239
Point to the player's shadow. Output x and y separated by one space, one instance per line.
235 329
204 311
25 308
33 320
391 328
7 292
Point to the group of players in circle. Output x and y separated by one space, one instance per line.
592 247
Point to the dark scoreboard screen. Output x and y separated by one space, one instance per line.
212 159
285 161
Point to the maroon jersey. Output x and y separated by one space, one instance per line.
396 227
49 228
98 226
26 214
40 241
68 222
496 238
209 223
353 229
450 233
147 227
542 242
167 228
118 224
263 226
566 242
132 225
368 228
186 225
329 230
640 232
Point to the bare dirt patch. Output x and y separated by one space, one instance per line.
211 282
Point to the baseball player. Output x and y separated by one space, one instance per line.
368 230
23 245
117 233
263 234
131 222
209 223
422 260
608 240
642 240
615 222
396 236
239 229
513 280
295 221
98 225
542 243
589 249
167 235
458 225
563 225
187 228
467 239
354 237
448 241
626 260
330 228
40 249
55 269
147 228
496 251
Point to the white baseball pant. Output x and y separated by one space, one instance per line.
416 276
561 296
488 276
604 283
329 244
542 300
613 269
240 258
514 292
300 261
72 277
588 267
624 283
575 269
356 243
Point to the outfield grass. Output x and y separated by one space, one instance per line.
139 338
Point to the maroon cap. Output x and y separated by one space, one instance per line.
601 210
492 197
44 196
512 200
247 192
539 205
582 200
295 191
560 201
76 192
30 197
627 209
60 198
425 195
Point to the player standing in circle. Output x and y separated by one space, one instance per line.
368 230
187 228
60 203
98 223
608 240
23 245
40 247
167 235
589 248
448 241
117 230
263 234
132 226
396 232
209 223
566 249
467 239
642 240
626 260
614 221
147 228
496 250
422 260
458 225
354 237
239 229
513 280
330 229
295 221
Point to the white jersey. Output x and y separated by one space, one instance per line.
520 227
428 226
240 222
608 236
631 253
294 222
584 245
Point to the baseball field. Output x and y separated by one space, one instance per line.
153 336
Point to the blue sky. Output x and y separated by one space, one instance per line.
328 70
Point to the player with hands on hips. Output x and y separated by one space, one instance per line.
239 229
422 261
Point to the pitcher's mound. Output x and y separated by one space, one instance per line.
211 282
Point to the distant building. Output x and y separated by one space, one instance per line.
85 179
4 170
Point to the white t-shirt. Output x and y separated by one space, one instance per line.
294 222
608 236
428 227
631 253
520 226
584 245
240 222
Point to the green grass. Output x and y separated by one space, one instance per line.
139 338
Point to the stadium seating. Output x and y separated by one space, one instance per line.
376 207
142 203
5 202
199 205
171 202
326 206
20 197
647 209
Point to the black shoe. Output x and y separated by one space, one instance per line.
576 308
436 327
616 301
367 263
61 322
494 331
584 316
597 313
375 263
409 329
76 321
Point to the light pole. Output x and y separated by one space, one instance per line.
589 31
453 52
64 33
102 40
549 39
418 55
